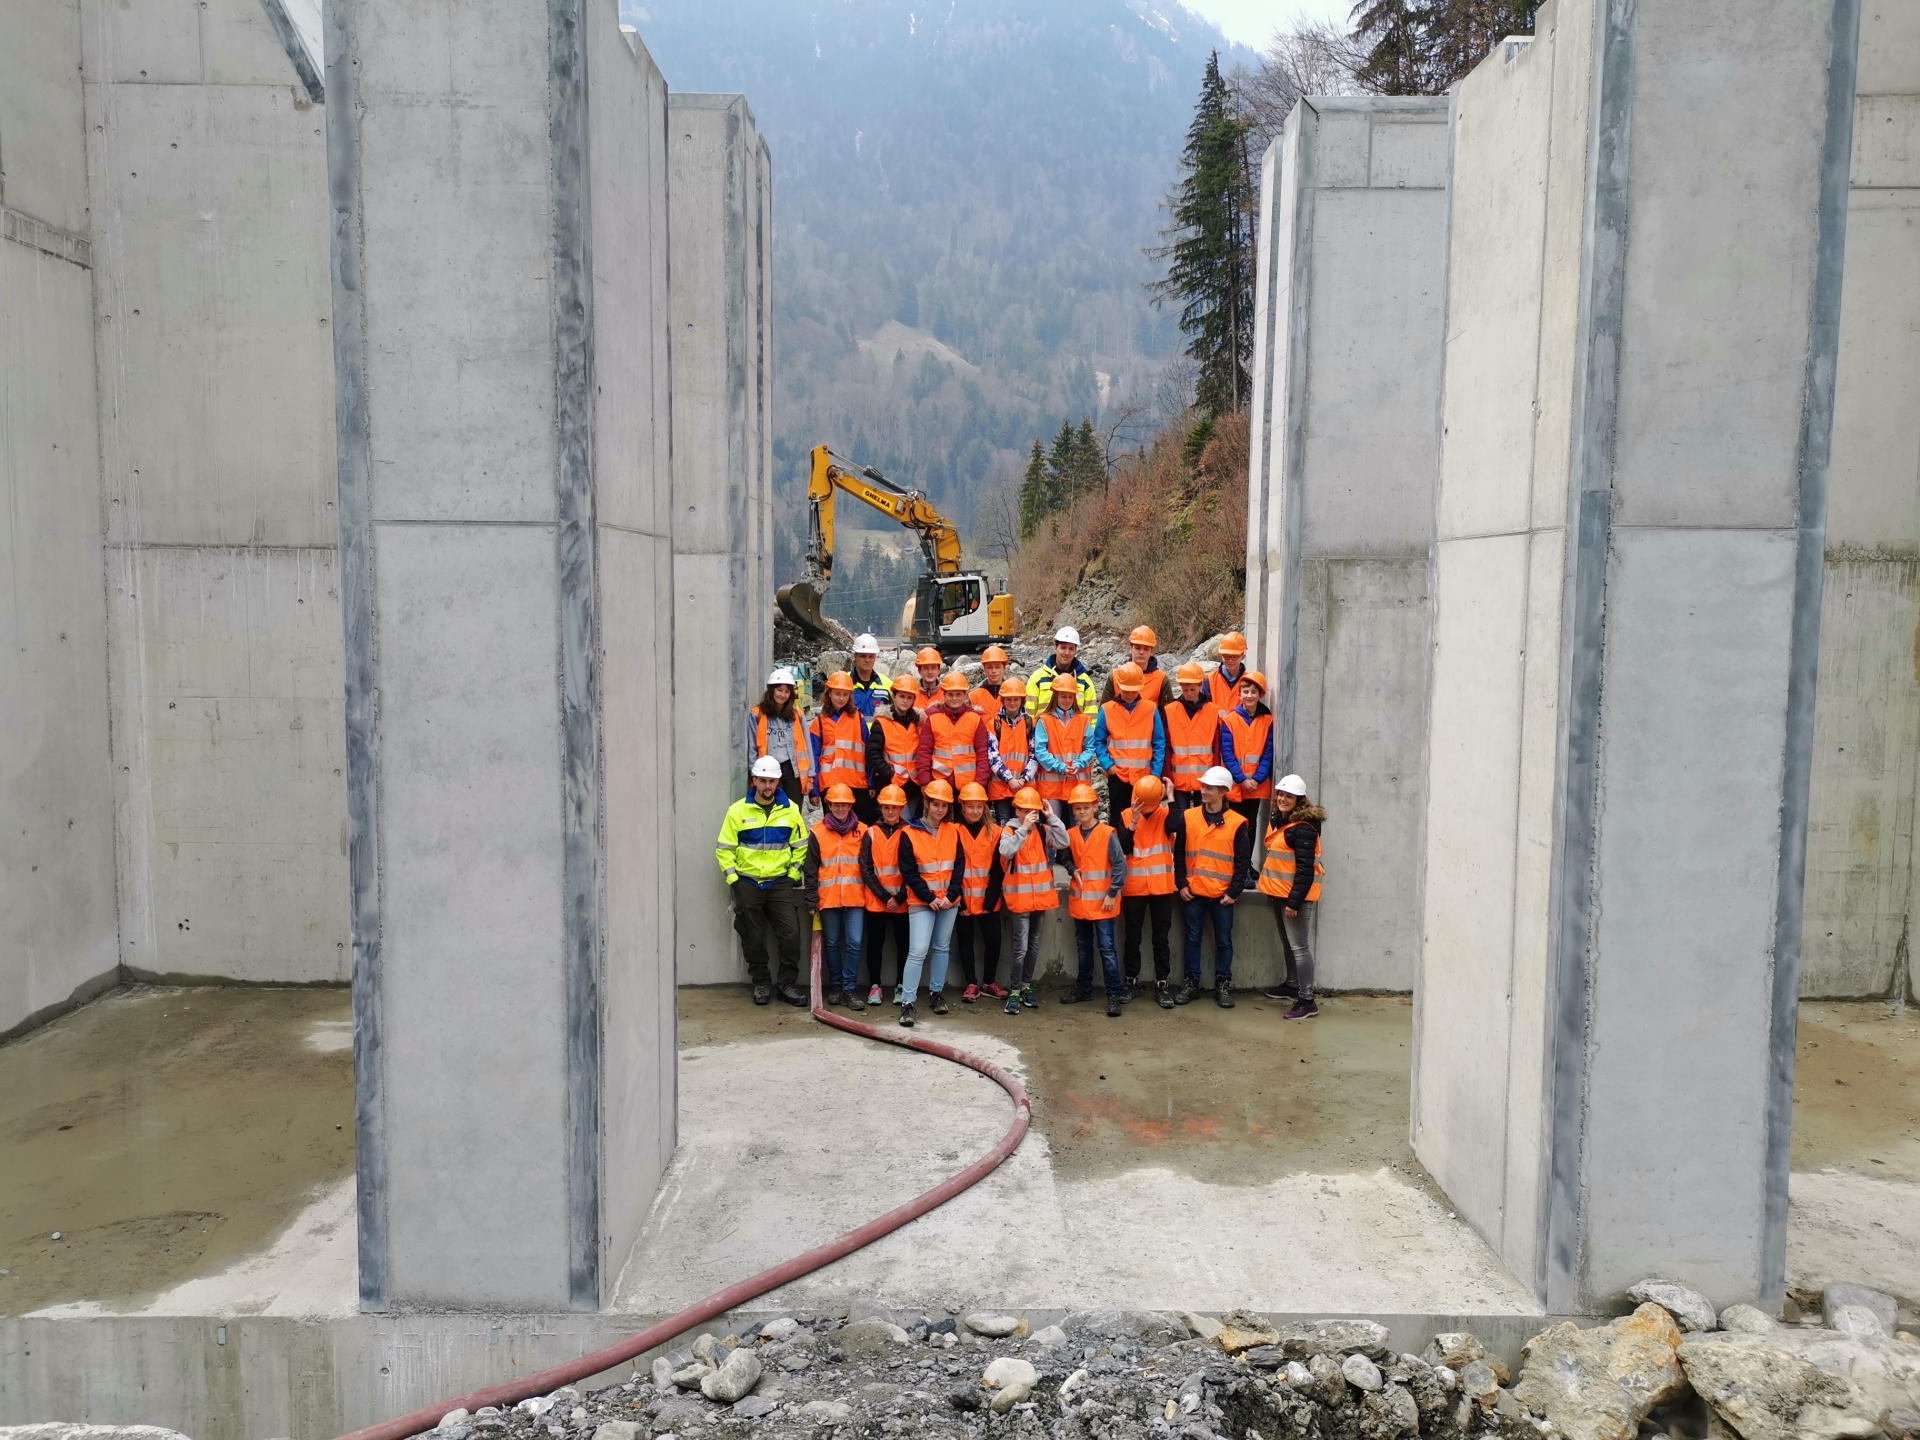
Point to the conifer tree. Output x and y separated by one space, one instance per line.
1090 469
1035 499
1421 47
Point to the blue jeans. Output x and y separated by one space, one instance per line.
1087 934
1197 912
841 931
927 930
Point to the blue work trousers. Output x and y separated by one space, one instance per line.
1197 911
1089 935
841 931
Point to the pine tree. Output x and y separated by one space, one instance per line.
1211 249
1035 496
1421 47
1062 469
1090 467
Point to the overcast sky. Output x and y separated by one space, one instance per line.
1252 22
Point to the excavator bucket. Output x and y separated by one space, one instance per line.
800 603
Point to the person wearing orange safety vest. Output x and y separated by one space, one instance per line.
1153 684
981 881
1292 876
839 738
1223 685
930 866
953 738
836 893
1129 740
1193 736
886 891
1011 765
1149 831
1027 850
929 664
986 695
775 728
1093 897
1060 746
1209 872
893 742
1246 746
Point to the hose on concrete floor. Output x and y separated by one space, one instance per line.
513 1391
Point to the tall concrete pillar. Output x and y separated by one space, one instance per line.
499 303
721 186
1648 214
1345 457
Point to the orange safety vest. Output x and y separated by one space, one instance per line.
1087 897
843 749
1150 869
802 749
1065 740
1153 686
954 757
886 864
986 701
1210 851
1192 742
1015 739
1029 882
1130 738
902 746
839 880
1225 694
1276 876
935 855
976 864
1249 744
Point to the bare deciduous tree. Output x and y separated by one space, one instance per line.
1316 57
998 519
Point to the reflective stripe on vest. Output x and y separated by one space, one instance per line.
839 880
1192 742
1276 876
886 864
976 864
902 745
765 837
935 855
1210 851
1150 867
954 756
843 753
1249 744
1029 882
1129 738
1014 739
1087 897
802 746
1065 740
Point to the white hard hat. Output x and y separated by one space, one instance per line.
1066 635
1290 785
781 676
865 645
766 768
1218 775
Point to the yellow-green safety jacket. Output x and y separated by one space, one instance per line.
762 843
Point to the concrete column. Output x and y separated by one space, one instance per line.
1346 441
498 185
1642 311
1861 892
721 185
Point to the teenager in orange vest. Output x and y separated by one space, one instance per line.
930 866
836 893
928 663
1060 745
886 890
839 739
1193 736
1223 685
775 728
1246 746
1153 680
1027 851
1129 739
981 880
1148 830
1292 876
1011 765
1210 870
953 737
1093 897
893 742
986 695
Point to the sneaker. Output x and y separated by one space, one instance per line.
900 994
994 990
1223 995
970 994
836 997
938 1004
1075 996
873 995
1163 992
762 994
1302 1010
854 1002
1285 990
1189 987
906 1014
1114 1003
1028 998
1013 1005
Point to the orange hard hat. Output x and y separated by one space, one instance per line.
994 656
840 680
938 790
1065 685
1128 678
953 680
927 656
1191 673
893 795
907 684
973 790
843 794
1148 790
1233 643
1257 678
1143 635
1028 798
1012 690
1083 794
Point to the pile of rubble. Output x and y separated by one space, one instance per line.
1672 1370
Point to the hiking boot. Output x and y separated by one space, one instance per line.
873 995
1075 996
1028 998
1114 1004
854 1002
1127 989
1223 995
1285 990
906 1014
793 995
836 997
762 993
1163 992
1302 1010
994 990
1189 987
938 1004
970 994
1013 1005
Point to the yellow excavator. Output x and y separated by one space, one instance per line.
951 608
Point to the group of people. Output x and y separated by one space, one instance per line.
945 805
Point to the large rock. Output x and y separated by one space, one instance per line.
1243 1330
1858 1310
1361 1373
1748 1320
1689 1307
1457 1349
994 1327
1301 1339
1010 1370
866 1339
1800 1384
616 1430
735 1377
1600 1384
1388 1414
1152 1327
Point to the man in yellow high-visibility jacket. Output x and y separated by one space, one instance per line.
762 849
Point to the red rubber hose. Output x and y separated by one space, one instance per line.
720 1302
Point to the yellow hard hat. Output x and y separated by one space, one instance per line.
1143 635
973 790
893 795
1083 794
938 790
842 794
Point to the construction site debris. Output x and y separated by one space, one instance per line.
1689 1307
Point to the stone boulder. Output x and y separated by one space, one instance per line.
1799 1384
1858 1310
868 1339
737 1375
1150 1327
1457 1349
1301 1339
1689 1307
1599 1384
1242 1330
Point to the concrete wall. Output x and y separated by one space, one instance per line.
1345 458
499 195
1643 299
1860 851
58 937
721 184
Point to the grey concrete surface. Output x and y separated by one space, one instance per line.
1633 477
1345 457
500 269
720 180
